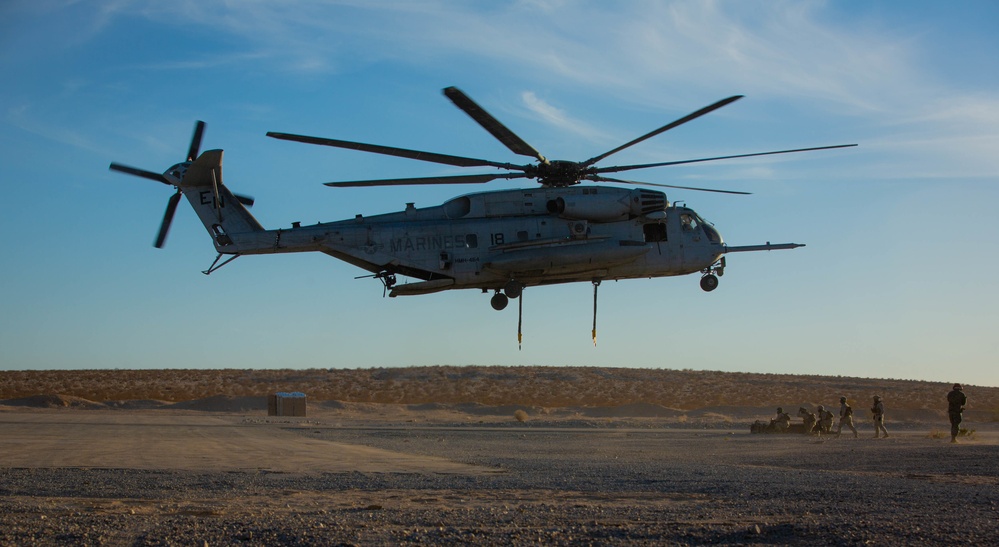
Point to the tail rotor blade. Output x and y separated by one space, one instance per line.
158 177
167 219
199 131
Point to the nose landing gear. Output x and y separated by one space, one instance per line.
709 281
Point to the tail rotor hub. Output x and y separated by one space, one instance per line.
176 173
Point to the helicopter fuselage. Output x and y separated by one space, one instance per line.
533 237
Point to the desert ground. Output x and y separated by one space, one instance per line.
483 455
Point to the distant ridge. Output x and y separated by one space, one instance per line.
652 392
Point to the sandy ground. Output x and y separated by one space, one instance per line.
173 477
133 440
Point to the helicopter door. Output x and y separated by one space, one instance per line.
662 237
691 234
674 247
655 232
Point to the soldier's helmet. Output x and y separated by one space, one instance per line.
779 409
958 387
821 408
842 399
877 397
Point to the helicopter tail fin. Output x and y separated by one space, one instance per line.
223 213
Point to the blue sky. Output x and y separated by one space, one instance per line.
897 279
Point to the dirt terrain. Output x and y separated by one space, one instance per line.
219 471
537 386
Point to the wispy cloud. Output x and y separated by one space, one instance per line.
22 117
201 63
556 116
665 56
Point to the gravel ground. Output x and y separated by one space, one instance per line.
558 485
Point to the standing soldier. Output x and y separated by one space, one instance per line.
956 400
879 417
845 417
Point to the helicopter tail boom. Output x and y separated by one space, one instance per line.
222 212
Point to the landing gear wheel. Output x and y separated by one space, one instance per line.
709 283
513 289
499 301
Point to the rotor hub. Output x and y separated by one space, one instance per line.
561 173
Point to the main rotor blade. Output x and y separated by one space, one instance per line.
199 131
492 125
158 177
167 219
459 179
620 168
392 151
598 178
666 127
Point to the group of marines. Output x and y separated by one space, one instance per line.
821 423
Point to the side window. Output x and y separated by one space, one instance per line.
688 222
654 232
471 241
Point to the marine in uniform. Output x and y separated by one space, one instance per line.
782 421
956 400
846 417
878 410
808 420
825 420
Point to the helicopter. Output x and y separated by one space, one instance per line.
499 241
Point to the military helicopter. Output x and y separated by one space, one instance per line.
500 241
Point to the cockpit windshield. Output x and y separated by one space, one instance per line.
689 221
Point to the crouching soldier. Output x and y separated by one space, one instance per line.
781 422
825 420
845 417
807 418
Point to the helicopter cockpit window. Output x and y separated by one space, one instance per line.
713 235
706 227
688 222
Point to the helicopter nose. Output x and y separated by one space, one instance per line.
713 235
